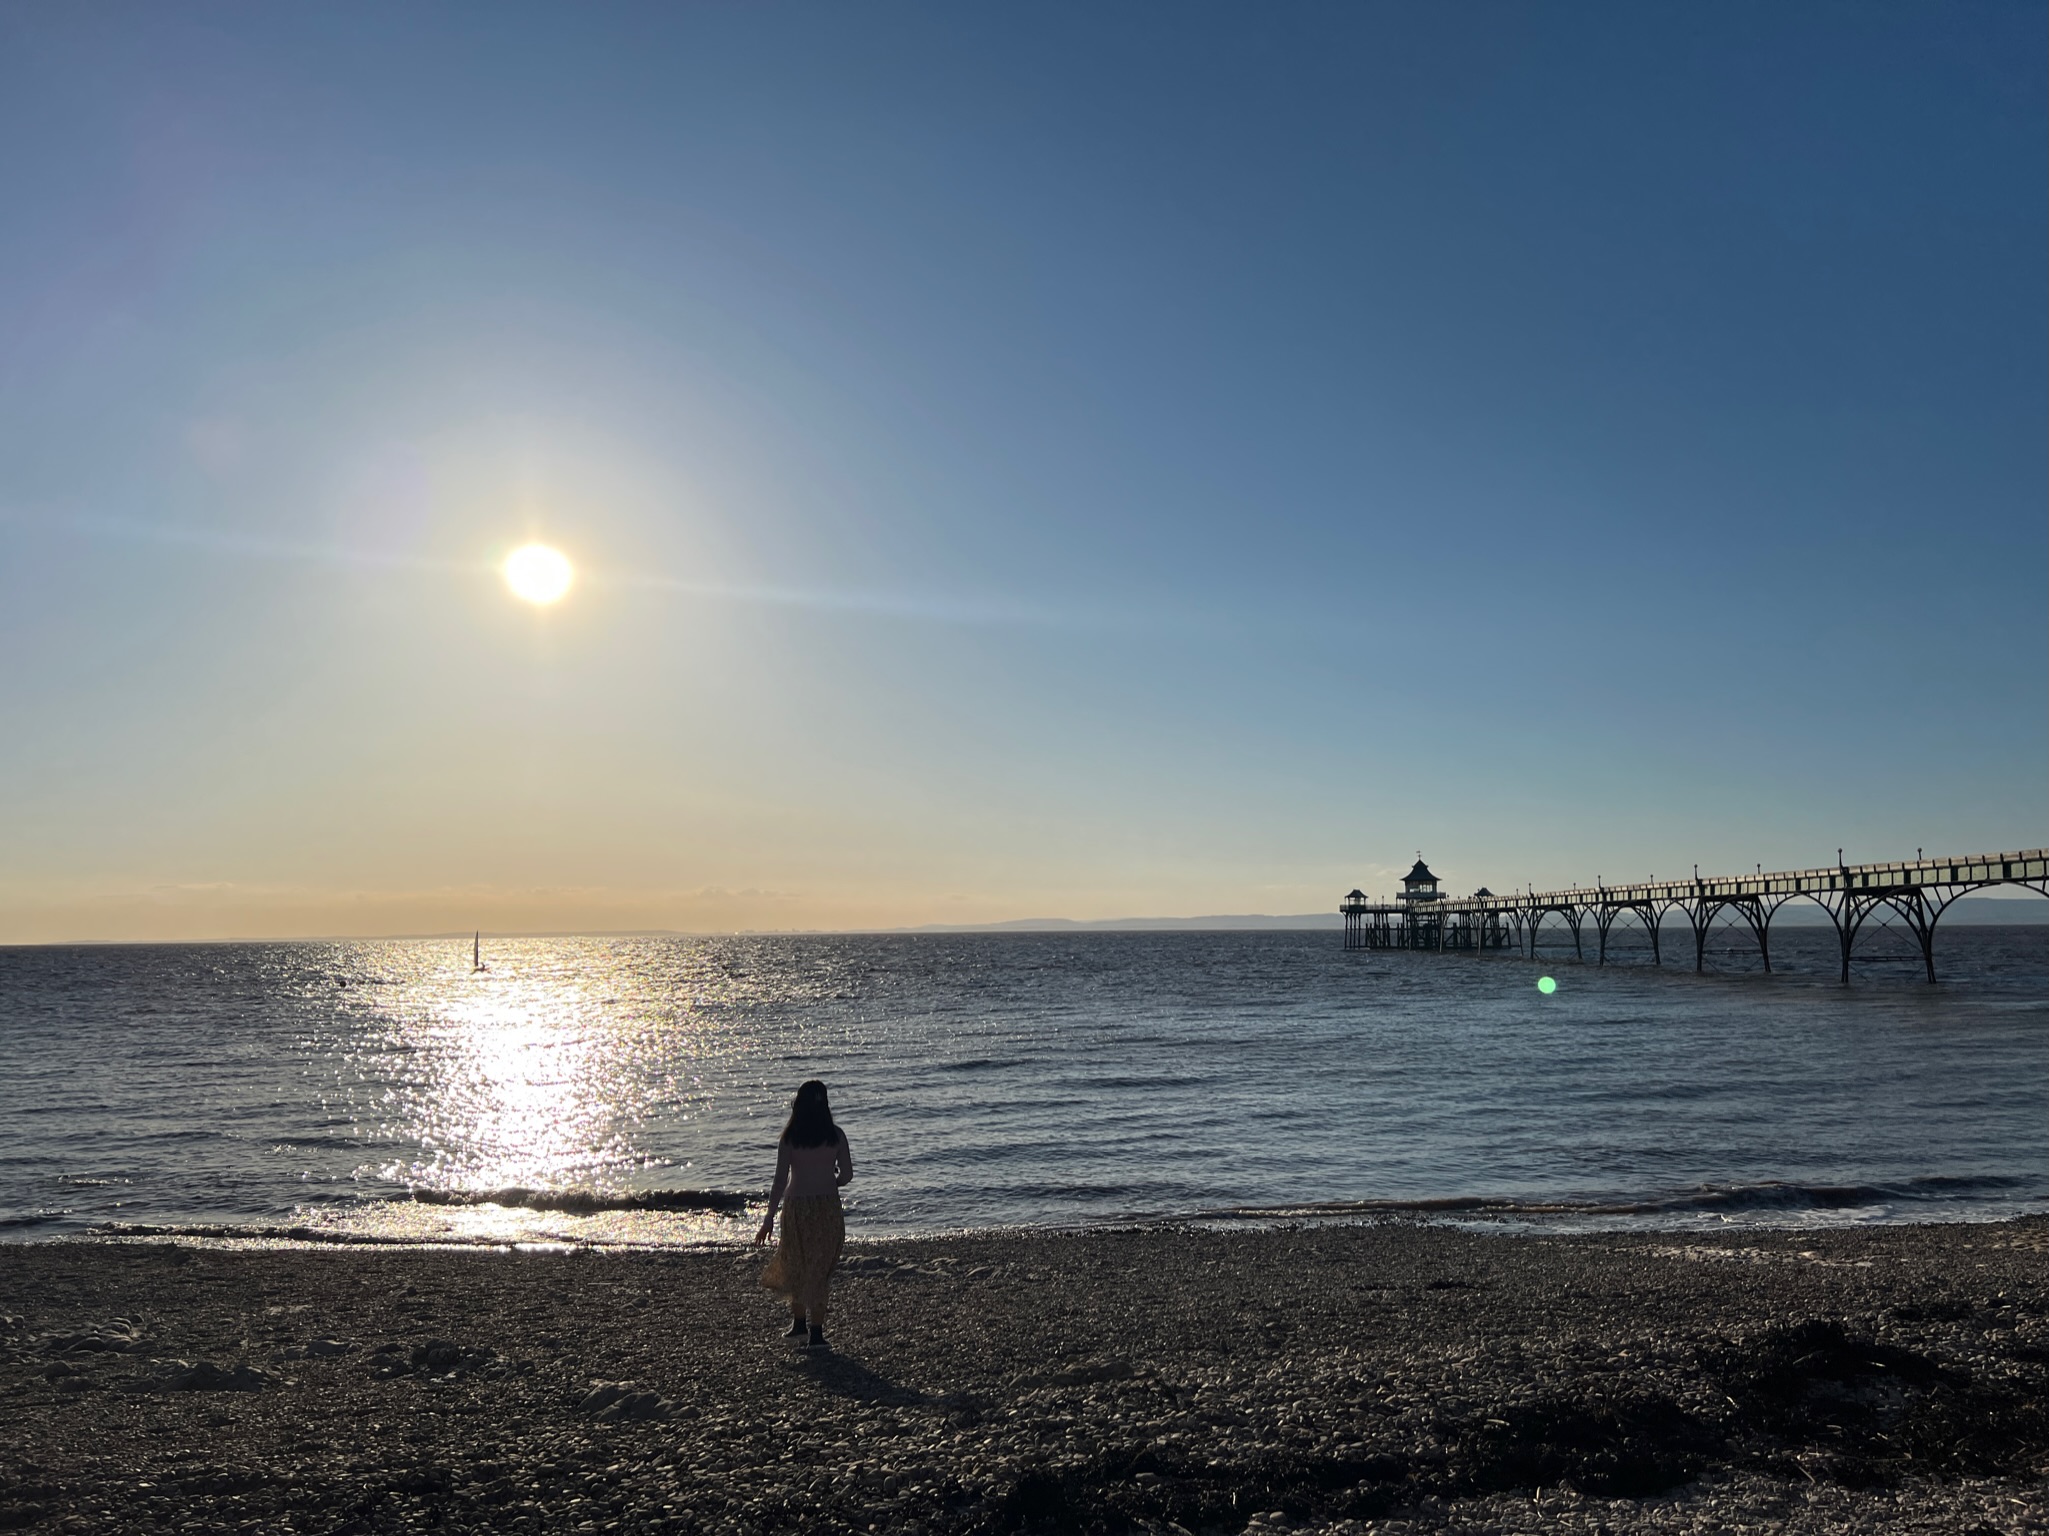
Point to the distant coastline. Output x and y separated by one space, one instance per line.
1971 911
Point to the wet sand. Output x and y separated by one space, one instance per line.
1383 1378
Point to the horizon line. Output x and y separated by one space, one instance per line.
1224 922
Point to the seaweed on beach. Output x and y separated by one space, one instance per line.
1626 1446
1821 1401
1118 1492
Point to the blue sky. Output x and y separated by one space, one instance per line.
1019 461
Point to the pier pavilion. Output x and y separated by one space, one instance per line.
1915 892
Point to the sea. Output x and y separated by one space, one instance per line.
629 1090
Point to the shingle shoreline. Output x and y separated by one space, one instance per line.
1384 1377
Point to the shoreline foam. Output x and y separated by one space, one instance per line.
679 1219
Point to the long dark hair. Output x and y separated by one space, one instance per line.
811 1118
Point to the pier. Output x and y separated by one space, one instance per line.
1916 892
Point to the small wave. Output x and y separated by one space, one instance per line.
585 1202
1068 1193
1947 1183
1771 1195
1776 1195
1445 1205
32 1219
330 1237
1123 1082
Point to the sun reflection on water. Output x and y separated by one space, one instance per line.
519 1101
514 1093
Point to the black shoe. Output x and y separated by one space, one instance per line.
817 1339
797 1329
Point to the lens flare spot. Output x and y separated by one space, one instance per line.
538 574
1546 985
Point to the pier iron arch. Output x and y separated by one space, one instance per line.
1918 892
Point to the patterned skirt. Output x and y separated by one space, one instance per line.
813 1230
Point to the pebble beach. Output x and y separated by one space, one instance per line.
1393 1377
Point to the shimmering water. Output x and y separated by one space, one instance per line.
999 1079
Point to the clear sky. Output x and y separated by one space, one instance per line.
1019 460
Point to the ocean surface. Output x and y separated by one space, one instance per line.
630 1090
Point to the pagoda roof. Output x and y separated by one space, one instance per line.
1420 872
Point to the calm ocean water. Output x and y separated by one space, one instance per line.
372 1091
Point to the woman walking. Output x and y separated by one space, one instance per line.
811 1164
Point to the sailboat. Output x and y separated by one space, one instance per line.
477 953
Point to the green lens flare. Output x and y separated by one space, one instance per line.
1546 985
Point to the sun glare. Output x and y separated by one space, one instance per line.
537 573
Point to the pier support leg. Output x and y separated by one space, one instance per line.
1849 917
1916 909
1754 914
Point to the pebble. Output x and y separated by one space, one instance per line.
206 1376
1186 1382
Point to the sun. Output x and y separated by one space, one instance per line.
537 573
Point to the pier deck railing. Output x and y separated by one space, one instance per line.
1918 891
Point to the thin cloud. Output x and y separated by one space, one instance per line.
968 609
978 609
252 547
